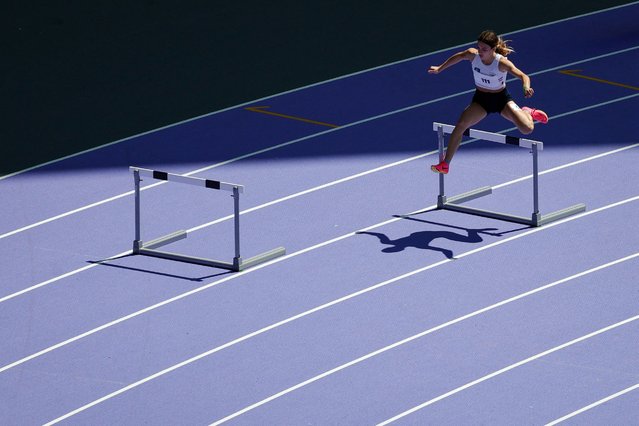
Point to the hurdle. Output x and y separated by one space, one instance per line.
150 248
453 203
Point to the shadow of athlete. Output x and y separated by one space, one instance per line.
423 239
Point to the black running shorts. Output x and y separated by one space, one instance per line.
492 102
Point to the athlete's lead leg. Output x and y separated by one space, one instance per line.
472 115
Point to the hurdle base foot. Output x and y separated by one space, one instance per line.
443 200
470 195
560 214
166 239
158 242
260 258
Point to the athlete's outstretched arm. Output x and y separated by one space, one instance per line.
466 55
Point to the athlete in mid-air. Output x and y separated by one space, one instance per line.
490 69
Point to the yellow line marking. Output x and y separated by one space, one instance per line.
575 73
261 109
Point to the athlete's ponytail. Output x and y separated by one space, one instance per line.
494 41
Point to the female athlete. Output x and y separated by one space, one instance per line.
490 68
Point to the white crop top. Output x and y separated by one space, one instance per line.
489 76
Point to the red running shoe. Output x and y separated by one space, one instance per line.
537 114
442 167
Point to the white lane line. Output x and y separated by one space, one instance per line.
229 217
535 27
510 367
52 280
223 163
58 278
567 165
332 303
190 293
314 135
570 18
306 250
207 286
420 335
593 405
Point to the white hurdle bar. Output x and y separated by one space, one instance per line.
453 203
149 248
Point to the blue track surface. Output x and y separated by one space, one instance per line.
434 318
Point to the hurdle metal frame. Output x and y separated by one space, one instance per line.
149 248
453 203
